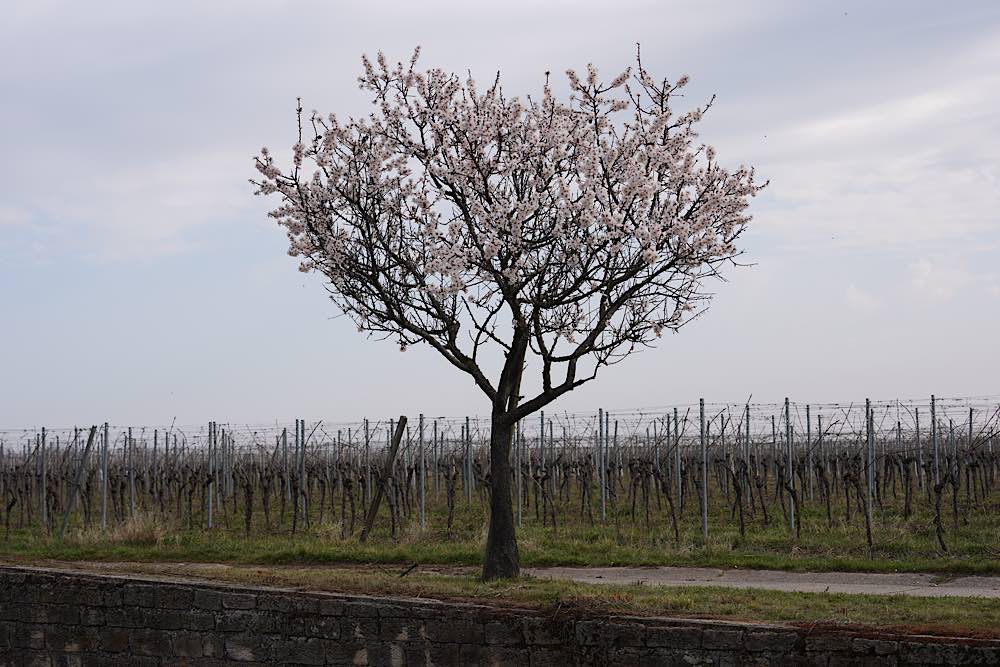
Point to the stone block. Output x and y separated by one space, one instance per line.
609 634
400 629
19 611
150 642
161 619
122 617
174 597
187 645
267 622
503 633
201 621
312 625
678 637
454 632
353 653
69 660
84 595
551 657
62 614
207 599
827 643
26 635
113 640
720 639
541 632
65 639
238 601
91 616
34 659
476 654
287 603
247 649
113 597
301 652
874 646
846 660
139 595
781 643
328 607
360 609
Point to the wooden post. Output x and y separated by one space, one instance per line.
423 468
774 445
809 456
210 471
284 463
468 462
302 468
791 466
969 444
152 481
600 457
819 442
368 463
605 491
44 485
104 478
553 457
220 465
76 482
953 447
934 442
746 437
541 439
518 443
920 448
617 455
870 419
131 473
677 458
437 479
386 472
704 473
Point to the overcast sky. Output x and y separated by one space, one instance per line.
140 279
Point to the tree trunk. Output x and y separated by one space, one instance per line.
502 560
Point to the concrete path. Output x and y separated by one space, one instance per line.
927 585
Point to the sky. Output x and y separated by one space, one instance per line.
141 281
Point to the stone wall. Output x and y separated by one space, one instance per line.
52 617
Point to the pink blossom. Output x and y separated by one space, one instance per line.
590 223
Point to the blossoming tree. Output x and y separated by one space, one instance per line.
563 234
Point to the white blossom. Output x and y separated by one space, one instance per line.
589 223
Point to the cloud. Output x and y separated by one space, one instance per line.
901 168
138 210
13 216
887 118
860 299
939 281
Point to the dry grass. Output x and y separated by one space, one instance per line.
140 529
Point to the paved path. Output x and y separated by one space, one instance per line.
928 585
907 583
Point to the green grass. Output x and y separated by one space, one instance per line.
164 546
950 616
900 545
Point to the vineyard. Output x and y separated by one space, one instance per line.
879 480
